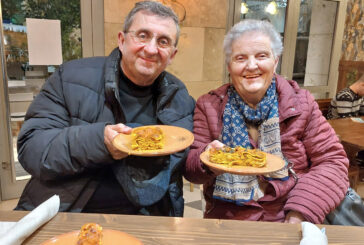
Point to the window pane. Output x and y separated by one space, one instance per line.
303 34
314 42
25 80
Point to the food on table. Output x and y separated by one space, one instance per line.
147 138
238 156
90 234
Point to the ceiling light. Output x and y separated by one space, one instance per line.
271 8
244 8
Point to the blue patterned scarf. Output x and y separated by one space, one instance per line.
237 188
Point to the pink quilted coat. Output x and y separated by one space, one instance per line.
308 141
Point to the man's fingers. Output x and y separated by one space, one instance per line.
121 128
110 132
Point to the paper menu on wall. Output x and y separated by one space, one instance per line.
44 41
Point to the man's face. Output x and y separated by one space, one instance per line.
252 66
142 63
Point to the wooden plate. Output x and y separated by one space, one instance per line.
109 237
274 163
175 139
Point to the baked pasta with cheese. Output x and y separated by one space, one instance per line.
238 156
147 138
90 234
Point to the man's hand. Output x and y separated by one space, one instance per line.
294 217
109 134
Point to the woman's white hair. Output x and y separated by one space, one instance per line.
250 25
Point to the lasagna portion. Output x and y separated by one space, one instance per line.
238 156
90 234
147 138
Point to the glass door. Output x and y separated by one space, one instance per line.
312 32
315 41
27 61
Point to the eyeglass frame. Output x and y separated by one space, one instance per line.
150 38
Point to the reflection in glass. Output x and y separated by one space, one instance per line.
315 36
272 11
303 33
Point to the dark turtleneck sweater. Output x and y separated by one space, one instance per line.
137 102
139 106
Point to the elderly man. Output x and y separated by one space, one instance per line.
65 142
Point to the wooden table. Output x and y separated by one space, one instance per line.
349 132
351 135
166 230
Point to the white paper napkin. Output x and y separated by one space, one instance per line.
17 232
312 235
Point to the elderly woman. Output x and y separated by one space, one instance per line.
261 109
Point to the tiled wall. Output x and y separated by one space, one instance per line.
199 62
353 43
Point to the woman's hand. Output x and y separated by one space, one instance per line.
217 145
110 132
214 144
294 217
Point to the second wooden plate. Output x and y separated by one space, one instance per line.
274 163
175 139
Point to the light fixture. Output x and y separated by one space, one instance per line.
244 8
271 8
177 7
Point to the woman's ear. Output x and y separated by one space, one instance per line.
276 61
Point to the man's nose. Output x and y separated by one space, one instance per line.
152 46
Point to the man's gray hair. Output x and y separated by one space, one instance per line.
250 25
155 8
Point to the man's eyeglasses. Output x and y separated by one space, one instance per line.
144 37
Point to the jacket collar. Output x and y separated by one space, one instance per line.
288 99
111 78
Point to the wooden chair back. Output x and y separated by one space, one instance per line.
324 106
349 72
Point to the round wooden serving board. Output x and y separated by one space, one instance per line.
274 163
175 139
109 237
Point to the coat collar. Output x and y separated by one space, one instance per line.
288 99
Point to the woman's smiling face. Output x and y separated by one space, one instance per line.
252 66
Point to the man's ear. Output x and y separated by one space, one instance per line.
121 40
174 52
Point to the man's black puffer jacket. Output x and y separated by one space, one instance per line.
61 143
